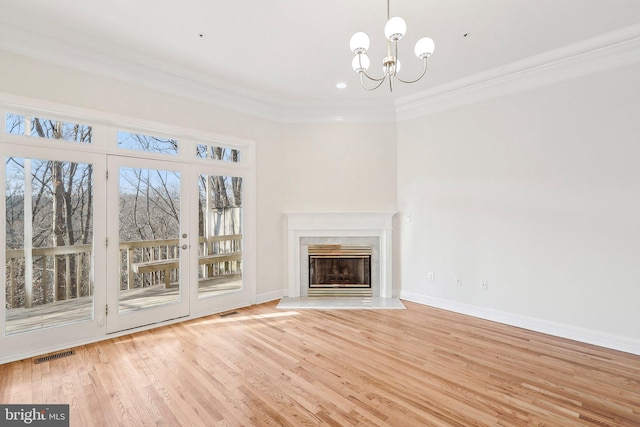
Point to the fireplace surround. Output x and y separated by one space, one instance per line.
331 229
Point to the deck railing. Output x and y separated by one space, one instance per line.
57 273
64 272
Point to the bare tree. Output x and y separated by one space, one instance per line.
62 192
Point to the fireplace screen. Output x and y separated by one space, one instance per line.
340 266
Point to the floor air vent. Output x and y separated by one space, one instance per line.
228 313
54 356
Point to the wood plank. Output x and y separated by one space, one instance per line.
263 366
173 263
225 257
157 265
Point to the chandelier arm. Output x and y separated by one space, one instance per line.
363 70
380 81
372 78
424 71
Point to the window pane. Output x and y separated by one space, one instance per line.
225 154
201 151
149 233
14 124
152 144
215 152
46 128
48 249
220 234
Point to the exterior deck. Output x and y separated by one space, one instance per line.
149 272
81 309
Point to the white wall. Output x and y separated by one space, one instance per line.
539 194
339 167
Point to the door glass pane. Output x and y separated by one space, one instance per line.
149 238
219 234
49 243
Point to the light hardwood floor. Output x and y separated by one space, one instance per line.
263 366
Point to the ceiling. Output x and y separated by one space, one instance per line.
294 52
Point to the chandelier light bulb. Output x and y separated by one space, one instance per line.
359 42
395 29
360 63
425 47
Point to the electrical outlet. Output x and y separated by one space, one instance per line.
484 285
458 281
431 277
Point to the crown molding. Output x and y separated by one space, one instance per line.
606 52
345 111
136 70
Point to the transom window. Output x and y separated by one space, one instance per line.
148 143
217 152
40 127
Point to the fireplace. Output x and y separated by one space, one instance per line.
362 265
340 270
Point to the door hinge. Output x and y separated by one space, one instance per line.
106 310
107 173
106 242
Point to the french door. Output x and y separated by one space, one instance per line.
220 221
148 263
179 241
100 243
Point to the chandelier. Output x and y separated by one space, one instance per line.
394 30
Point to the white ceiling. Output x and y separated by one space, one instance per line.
294 51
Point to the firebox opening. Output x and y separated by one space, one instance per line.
340 270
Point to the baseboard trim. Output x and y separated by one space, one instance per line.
270 296
587 336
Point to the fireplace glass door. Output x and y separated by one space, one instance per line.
340 270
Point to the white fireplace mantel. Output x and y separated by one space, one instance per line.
301 225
